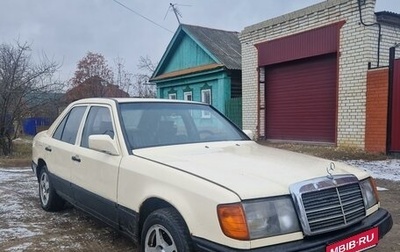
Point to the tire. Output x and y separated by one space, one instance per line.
49 199
167 224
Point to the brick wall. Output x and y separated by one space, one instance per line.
357 48
376 106
390 37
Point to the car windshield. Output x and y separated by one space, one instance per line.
149 124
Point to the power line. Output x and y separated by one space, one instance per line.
140 15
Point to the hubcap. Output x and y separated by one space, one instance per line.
44 187
158 239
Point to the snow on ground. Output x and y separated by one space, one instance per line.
383 169
12 208
25 226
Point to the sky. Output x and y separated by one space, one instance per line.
65 30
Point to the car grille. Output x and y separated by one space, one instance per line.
329 204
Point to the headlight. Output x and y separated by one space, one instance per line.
271 217
259 218
369 192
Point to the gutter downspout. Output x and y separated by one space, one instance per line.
392 57
376 23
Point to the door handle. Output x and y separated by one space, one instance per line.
48 148
76 158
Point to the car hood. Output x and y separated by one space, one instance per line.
249 169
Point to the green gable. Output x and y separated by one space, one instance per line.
186 54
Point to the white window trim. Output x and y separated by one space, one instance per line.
172 96
203 95
186 95
203 99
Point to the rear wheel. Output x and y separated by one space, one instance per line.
165 230
49 199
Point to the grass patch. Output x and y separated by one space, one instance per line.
21 155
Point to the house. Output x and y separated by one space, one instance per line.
321 75
94 86
202 64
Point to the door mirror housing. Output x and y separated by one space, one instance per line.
103 143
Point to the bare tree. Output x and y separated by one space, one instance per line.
136 85
21 84
146 64
143 88
123 78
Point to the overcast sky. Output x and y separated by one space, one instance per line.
65 30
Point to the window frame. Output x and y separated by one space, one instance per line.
203 99
85 144
171 95
186 94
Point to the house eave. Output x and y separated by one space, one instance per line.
186 72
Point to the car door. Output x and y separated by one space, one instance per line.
60 147
96 173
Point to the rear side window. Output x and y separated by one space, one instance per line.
67 130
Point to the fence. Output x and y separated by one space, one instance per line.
233 110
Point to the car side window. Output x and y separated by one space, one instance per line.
67 130
98 122
58 133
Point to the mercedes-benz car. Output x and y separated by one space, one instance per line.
179 176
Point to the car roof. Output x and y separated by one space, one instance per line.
130 100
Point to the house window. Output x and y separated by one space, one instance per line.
187 96
206 98
172 94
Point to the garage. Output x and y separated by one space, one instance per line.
300 100
300 86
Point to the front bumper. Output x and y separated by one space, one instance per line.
381 219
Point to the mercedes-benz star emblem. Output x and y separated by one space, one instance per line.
330 169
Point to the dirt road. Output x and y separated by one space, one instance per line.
24 226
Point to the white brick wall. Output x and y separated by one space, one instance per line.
390 37
357 48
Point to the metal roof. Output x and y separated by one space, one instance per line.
388 17
224 45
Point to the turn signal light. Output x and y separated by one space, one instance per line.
374 186
233 221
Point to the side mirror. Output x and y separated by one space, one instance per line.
103 143
249 133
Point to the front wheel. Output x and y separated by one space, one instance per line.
49 199
165 230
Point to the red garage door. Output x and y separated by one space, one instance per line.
301 100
